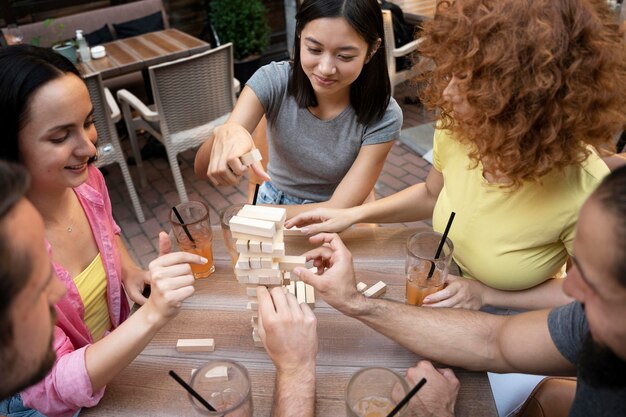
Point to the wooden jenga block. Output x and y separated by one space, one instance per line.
293 231
252 227
256 338
244 280
242 245
264 280
286 275
253 280
310 295
243 263
275 281
255 263
195 345
254 246
300 292
251 157
267 262
260 272
251 291
290 262
277 238
361 286
253 305
254 321
292 288
376 290
272 214
219 373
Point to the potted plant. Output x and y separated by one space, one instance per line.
58 39
244 23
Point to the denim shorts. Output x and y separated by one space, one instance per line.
268 194
14 407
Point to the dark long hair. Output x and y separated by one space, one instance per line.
371 91
23 70
611 193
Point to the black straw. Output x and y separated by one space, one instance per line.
256 194
407 398
443 240
182 223
191 391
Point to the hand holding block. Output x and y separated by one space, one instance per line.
251 157
195 345
290 262
376 290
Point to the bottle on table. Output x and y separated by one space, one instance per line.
83 47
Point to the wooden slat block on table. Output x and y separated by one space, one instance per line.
376 290
195 345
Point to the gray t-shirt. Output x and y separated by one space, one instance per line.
568 329
309 157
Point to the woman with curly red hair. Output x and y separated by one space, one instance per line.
530 94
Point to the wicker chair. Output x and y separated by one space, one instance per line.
106 114
397 77
192 95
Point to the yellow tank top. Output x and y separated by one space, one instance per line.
92 288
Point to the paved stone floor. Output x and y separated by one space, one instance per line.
402 168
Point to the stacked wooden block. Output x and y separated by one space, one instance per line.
262 260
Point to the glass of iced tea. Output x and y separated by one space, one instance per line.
229 241
374 392
225 385
426 274
193 234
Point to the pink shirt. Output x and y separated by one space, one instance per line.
67 388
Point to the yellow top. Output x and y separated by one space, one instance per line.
509 240
92 288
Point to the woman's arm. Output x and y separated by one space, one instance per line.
218 158
172 283
356 184
411 204
472 294
134 277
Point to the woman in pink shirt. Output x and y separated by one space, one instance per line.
47 120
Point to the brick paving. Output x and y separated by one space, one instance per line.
402 168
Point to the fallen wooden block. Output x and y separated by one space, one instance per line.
256 338
219 373
251 157
301 292
272 214
376 290
195 345
252 227
310 295
361 286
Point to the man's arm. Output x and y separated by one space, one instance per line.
468 339
289 333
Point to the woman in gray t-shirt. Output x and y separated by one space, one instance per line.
331 119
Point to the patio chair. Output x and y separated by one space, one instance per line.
106 114
397 77
192 96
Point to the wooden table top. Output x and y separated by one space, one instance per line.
218 310
140 52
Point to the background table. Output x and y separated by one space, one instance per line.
218 310
140 52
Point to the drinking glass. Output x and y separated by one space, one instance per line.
194 234
421 249
14 34
225 385
374 392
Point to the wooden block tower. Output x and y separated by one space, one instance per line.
262 260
